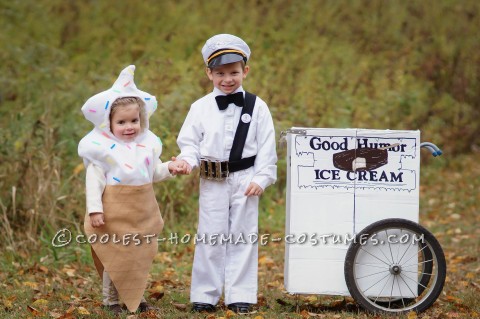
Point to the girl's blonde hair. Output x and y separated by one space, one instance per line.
127 100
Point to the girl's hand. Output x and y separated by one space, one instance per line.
173 167
253 190
96 220
179 167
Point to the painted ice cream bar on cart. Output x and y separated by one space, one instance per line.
352 219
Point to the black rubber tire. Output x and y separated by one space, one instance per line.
430 284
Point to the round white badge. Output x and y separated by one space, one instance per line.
246 118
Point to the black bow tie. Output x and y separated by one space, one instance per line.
224 100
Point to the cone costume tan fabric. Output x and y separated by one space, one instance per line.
127 244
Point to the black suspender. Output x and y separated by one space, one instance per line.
236 163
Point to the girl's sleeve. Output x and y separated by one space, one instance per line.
95 185
161 172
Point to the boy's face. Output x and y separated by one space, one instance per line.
228 77
125 123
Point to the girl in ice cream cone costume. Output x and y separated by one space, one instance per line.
122 160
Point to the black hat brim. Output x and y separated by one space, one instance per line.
225 59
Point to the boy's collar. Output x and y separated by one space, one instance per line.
217 92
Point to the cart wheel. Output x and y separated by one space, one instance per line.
395 266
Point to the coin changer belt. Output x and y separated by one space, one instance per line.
218 170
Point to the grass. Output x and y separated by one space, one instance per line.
66 280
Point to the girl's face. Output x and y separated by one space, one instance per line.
125 123
228 77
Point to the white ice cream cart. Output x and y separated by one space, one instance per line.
352 219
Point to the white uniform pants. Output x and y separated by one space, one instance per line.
224 209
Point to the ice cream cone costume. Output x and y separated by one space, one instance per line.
126 245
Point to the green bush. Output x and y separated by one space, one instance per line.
369 64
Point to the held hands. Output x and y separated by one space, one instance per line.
253 190
179 167
96 220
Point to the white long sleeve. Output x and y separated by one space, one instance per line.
189 138
95 185
161 172
265 162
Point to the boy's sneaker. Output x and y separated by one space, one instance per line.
201 307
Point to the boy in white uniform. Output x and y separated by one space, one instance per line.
229 134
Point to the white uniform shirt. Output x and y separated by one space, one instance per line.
208 133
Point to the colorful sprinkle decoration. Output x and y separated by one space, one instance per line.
122 164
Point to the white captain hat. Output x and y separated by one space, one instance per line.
224 49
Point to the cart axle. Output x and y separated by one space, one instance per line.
395 269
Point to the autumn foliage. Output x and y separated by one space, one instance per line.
369 64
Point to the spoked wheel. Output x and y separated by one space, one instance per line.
395 266
425 272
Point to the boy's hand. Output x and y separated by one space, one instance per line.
180 167
173 166
96 220
253 190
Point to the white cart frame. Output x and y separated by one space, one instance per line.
352 219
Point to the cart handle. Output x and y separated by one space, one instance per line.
432 148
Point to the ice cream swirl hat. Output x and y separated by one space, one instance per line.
97 108
131 162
